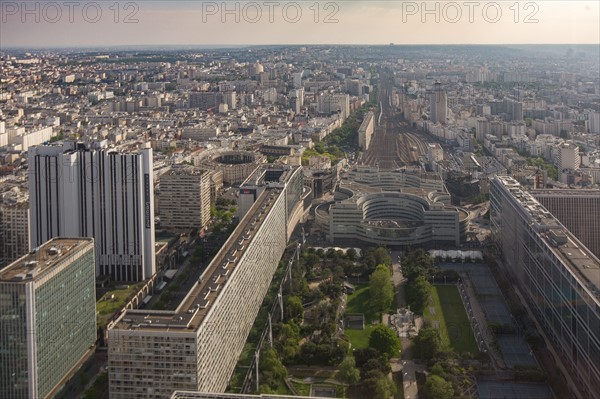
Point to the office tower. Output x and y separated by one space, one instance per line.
558 278
185 199
578 211
196 347
95 192
48 308
14 227
568 157
438 103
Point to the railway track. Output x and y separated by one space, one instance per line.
392 146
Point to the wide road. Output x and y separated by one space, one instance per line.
392 145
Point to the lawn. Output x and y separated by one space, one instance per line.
106 306
359 338
449 312
359 302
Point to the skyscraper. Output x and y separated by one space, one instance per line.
95 192
568 157
48 308
438 103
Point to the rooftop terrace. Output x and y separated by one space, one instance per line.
42 259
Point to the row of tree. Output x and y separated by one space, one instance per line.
417 267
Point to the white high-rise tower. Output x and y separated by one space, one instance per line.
93 192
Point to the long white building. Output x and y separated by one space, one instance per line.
93 192
195 347
365 132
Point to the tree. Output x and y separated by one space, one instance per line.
319 147
381 289
417 294
376 385
385 340
348 372
378 363
382 256
384 388
272 371
416 263
437 388
363 355
351 254
312 259
264 389
293 309
427 344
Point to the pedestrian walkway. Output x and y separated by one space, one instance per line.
406 365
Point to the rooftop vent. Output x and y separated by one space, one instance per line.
53 250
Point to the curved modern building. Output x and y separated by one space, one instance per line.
236 166
392 180
402 218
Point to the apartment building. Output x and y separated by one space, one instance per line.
185 194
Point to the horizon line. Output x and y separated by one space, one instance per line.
217 46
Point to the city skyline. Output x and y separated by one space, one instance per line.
193 23
235 198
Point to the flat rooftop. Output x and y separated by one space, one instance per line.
191 311
576 256
39 261
566 193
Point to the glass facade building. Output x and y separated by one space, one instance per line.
558 277
48 317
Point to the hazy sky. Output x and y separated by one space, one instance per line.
87 23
